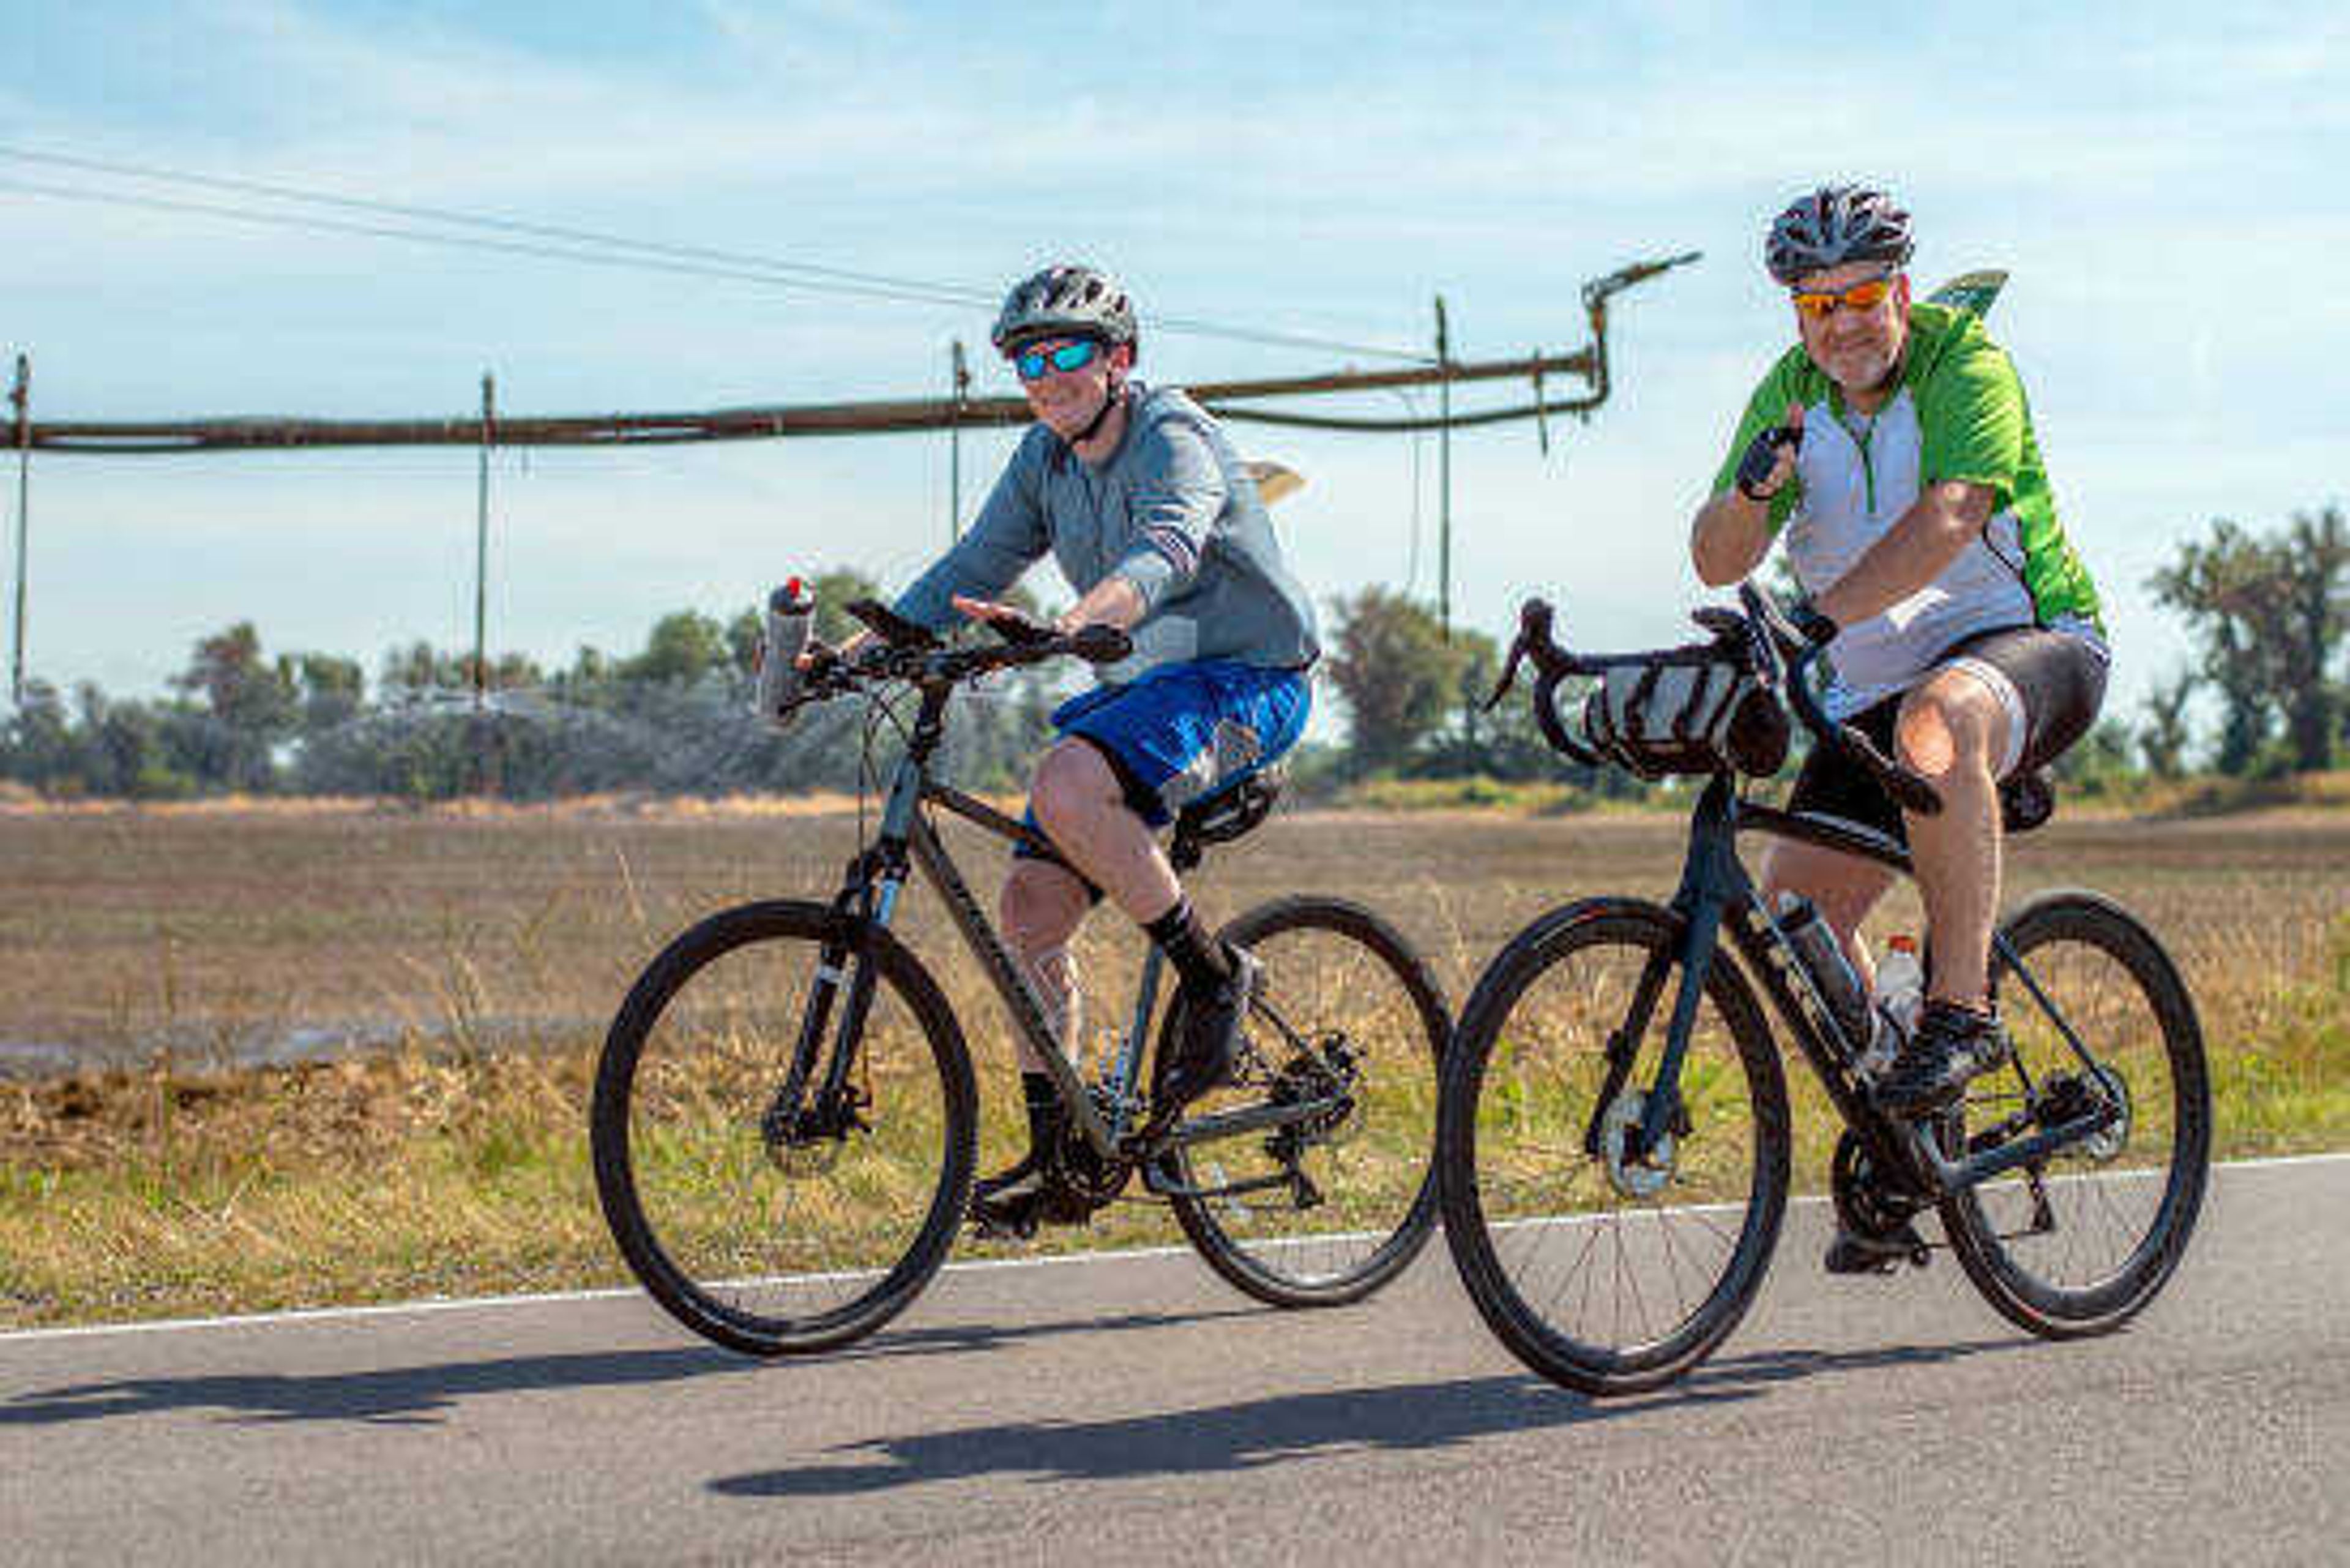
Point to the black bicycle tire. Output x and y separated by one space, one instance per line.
1603 1372
672 1286
1228 1258
2060 1313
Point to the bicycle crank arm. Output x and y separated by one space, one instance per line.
1168 1187
1247 1120
1957 1176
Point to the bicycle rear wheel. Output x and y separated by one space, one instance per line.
1602 1269
2079 1244
759 1240
1344 1001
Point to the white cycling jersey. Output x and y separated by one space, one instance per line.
1958 414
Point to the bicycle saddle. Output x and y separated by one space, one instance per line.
2027 800
1225 815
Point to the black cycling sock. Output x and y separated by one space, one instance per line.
1197 955
1043 1109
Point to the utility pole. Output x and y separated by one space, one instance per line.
22 396
954 445
481 546
1444 473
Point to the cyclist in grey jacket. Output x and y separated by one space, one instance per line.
1148 511
1169 510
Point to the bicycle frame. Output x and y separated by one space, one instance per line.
1715 891
875 880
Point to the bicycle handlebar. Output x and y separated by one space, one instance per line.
903 652
1553 664
1757 637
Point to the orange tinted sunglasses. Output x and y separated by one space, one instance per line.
1818 304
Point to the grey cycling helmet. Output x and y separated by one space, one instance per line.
1064 301
1833 225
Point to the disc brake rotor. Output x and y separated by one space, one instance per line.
1641 1179
2107 1144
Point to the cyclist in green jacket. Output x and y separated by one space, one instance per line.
1893 451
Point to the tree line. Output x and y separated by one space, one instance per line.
2267 614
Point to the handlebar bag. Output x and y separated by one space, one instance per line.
1686 716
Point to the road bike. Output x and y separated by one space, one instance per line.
785 1117
1614 1139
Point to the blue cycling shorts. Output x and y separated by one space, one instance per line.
1186 732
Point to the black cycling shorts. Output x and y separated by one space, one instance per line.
2053 682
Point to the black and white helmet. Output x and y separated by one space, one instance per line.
1064 301
1833 225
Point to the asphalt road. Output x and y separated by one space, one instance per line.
1134 1405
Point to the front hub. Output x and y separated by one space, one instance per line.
1633 1171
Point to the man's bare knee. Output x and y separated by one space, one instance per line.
1072 783
1946 725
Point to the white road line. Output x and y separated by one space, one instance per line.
619 1292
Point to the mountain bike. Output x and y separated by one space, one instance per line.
784 1115
1614 1137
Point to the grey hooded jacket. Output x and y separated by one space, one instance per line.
1171 510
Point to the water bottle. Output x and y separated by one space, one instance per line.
1823 959
791 622
1900 995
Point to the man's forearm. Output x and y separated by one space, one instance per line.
1918 548
1729 538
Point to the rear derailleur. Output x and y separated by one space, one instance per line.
1327 1074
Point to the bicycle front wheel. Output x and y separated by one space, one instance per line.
762 1237
1345 1008
2080 1243
1605 1266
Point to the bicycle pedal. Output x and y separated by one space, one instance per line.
1013 1222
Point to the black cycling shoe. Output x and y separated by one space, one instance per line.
1953 1045
1009 1203
1008 1217
1011 1178
1208 1046
1852 1253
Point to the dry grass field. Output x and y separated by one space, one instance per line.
471 960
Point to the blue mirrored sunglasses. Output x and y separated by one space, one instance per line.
1076 356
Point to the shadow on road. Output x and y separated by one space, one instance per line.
397 1396
1261 1432
420 1395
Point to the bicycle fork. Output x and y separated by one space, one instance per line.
845 980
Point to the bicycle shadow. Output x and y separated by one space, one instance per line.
1258 1433
425 1395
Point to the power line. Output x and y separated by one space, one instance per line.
655 255
462 242
505 225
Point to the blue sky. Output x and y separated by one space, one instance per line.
2166 183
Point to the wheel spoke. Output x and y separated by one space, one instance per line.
824 1229
1347 1010
2122 1204
1604 1272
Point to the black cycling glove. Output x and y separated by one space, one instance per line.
1761 457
